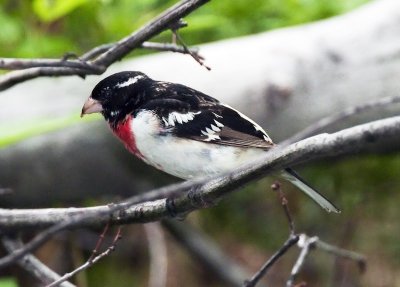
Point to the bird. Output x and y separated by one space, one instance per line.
183 131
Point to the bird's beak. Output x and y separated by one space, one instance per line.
91 106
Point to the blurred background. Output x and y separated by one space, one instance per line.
51 158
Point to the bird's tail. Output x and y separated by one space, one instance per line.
290 175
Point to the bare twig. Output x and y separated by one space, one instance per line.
89 262
20 64
104 55
99 242
202 193
292 240
32 264
96 51
326 122
170 48
83 62
343 253
205 250
276 186
160 23
195 56
304 244
158 255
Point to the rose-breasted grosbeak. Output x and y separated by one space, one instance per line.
180 130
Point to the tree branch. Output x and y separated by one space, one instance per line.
292 240
188 196
105 54
34 266
203 193
329 121
83 63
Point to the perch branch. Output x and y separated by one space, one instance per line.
189 196
327 122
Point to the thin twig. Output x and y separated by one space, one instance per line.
326 122
33 265
96 51
20 64
154 27
292 240
195 56
83 62
99 243
90 262
276 186
168 47
304 244
343 253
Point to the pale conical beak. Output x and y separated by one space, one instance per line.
91 106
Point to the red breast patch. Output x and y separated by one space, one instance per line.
124 132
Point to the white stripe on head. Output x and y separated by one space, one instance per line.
129 82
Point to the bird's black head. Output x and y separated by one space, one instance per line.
117 95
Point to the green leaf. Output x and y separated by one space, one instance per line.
50 10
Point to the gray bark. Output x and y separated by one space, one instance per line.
285 79
203 193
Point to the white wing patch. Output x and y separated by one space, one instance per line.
175 117
129 82
256 126
217 115
210 135
213 130
218 123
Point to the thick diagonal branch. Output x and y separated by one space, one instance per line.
189 196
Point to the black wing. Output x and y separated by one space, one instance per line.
191 114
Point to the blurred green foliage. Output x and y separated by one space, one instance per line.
8 282
44 28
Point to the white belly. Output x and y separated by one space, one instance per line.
183 158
